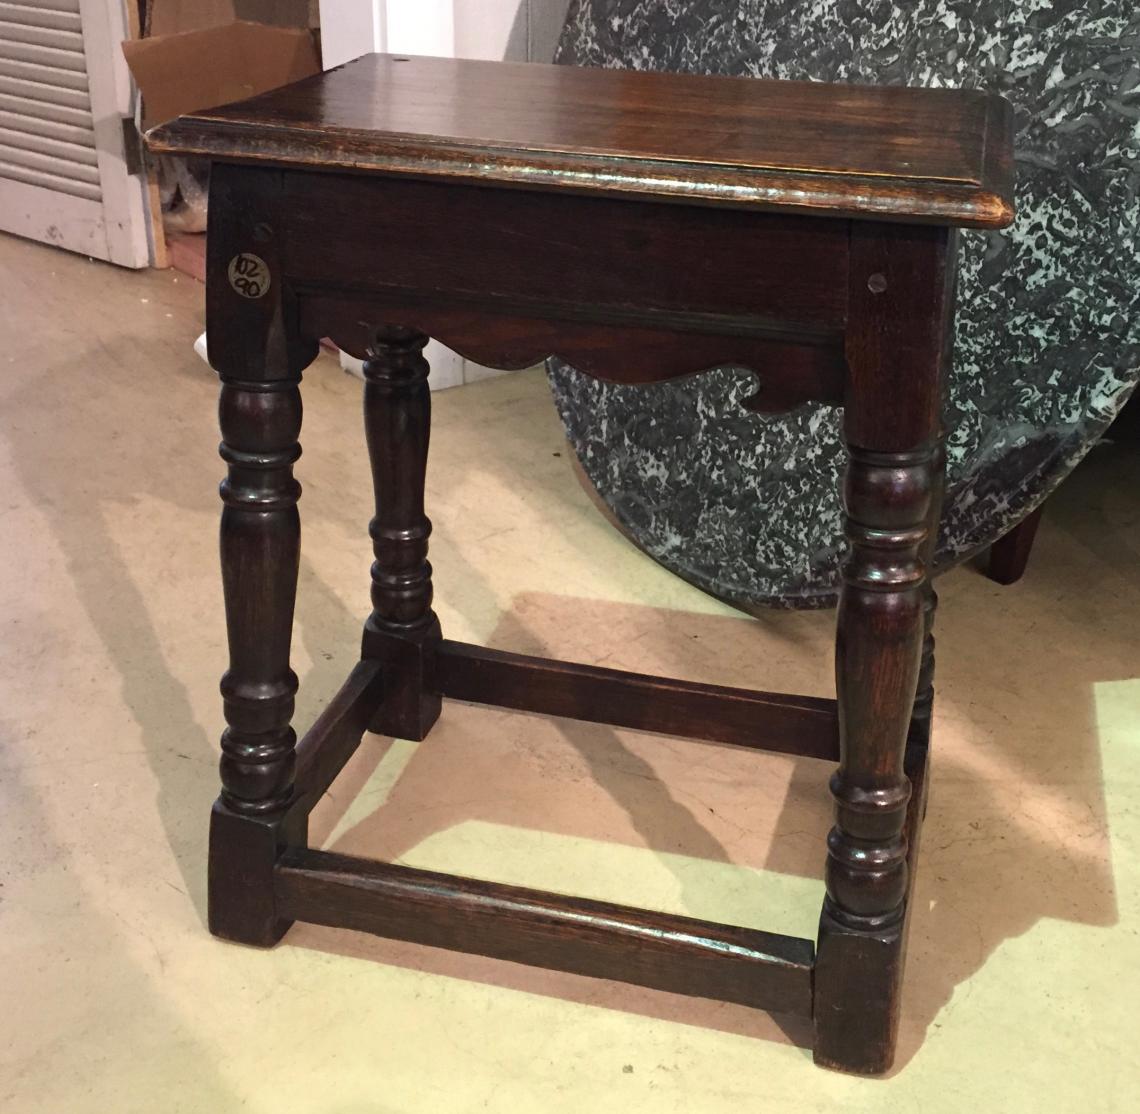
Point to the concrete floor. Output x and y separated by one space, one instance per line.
1025 954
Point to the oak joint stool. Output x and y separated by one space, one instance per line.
643 227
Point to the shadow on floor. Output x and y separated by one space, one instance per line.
624 789
119 472
705 802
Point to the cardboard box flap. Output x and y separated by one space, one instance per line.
203 69
169 17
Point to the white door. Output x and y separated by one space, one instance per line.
64 95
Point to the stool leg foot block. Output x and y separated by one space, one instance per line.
858 978
412 701
858 974
243 853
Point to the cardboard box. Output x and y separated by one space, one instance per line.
171 17
191 70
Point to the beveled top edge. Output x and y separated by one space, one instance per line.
261 130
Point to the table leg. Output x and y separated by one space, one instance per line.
402 630
1009 555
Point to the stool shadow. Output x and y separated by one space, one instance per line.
434 793
179 752
1035 880
140 997
114 596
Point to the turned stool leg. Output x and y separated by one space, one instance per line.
878 652
260 547
919 733
899 301
257 349
402 630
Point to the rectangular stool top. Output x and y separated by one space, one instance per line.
878 152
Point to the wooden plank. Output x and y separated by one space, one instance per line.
842 150
337 732
613 261
187 253
803 725
788 374
659 950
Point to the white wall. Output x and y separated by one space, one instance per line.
423 26
492 29
350 28
514 30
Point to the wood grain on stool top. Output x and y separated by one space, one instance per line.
924 155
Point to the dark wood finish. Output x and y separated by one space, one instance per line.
858 975
478 269
923 710
493 251
917 769
931 155
258 339
260 546
802 725
922 714
787 374
901 286
597 938
334 737
243 852
402 630
516 212
1009 555
259 353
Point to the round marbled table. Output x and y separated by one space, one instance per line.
1048 341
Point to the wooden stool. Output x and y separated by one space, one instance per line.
642 226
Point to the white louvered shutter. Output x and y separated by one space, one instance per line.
64 92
